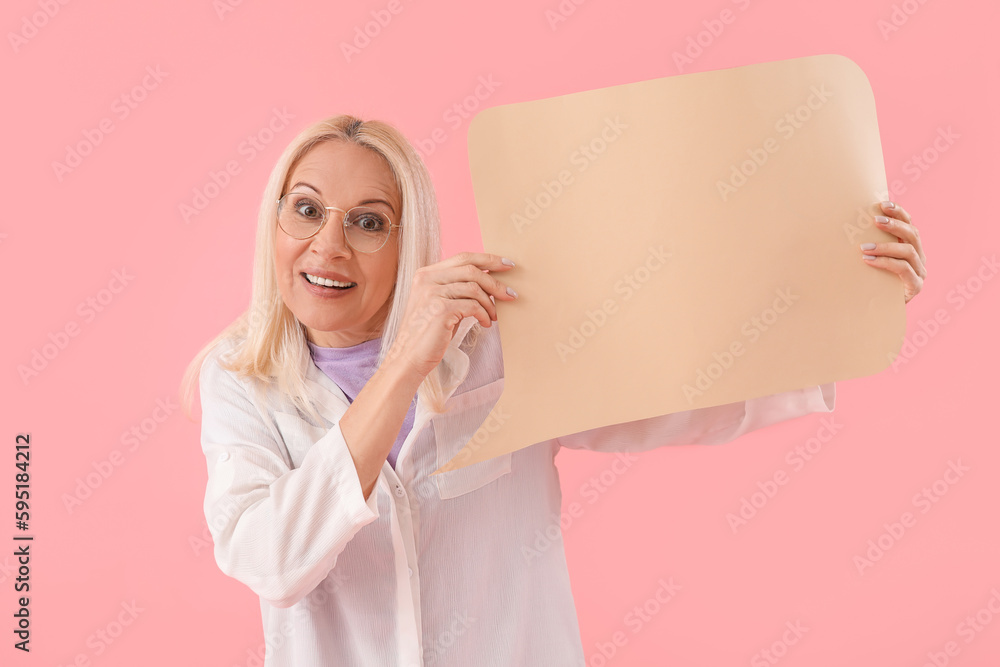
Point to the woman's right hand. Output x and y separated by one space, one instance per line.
441 296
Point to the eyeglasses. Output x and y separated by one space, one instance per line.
302 215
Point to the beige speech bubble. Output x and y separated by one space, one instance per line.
681 243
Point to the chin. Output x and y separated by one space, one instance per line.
320 323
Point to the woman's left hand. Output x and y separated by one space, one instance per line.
905 259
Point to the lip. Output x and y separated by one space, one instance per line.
324 292
331 275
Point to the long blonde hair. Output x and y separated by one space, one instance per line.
269 341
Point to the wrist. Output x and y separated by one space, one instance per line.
400 370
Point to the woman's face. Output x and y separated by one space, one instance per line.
344 175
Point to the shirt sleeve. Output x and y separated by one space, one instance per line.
277 529
704 426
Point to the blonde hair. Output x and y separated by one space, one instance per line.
269 342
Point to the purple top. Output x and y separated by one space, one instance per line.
351 368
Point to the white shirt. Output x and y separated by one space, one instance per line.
439 570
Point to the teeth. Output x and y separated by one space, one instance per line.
326 282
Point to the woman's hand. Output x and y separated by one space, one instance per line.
441 296
905 259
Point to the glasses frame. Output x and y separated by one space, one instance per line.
328 218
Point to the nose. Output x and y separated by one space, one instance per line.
331 241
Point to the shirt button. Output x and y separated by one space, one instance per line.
411 571
224 456
399 491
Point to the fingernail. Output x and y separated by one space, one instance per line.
888 204
867 256
510 290
867 246
507 262
881 219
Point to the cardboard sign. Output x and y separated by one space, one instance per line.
682 243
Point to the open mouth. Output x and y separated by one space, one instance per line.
326 282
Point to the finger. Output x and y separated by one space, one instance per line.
902 267
488 283
903 251
484 260
905 231
896 211
465 299
473 308
472 291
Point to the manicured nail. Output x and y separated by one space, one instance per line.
888 204
507 262
510 290
867 246
867 256
881 219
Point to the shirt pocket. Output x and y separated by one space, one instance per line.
453 430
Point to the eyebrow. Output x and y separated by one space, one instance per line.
374 200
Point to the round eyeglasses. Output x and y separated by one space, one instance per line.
302 215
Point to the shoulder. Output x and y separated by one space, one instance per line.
213 367
219 381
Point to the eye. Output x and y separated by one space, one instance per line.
308 209
369 221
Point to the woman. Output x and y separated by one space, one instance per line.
363 364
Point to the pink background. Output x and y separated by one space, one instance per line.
140 536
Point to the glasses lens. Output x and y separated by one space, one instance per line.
300 215
367 228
